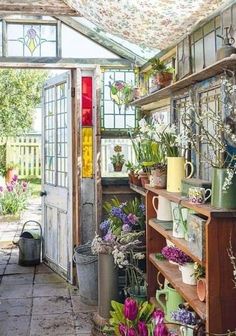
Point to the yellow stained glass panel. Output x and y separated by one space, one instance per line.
87 149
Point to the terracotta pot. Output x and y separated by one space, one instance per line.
118 167
144 179
201 289
158 178
136 180
10 174
164 78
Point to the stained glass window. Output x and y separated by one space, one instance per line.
116 114
31 40
87 148
87 102
0 38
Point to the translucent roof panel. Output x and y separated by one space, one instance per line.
156 24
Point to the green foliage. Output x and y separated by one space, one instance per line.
117 159
20 93
159 66
11 165
2 160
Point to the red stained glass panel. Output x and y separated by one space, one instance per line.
87 101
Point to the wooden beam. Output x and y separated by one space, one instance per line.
107 43
54 62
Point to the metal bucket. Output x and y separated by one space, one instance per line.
30 245
87 273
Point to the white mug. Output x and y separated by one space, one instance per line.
163 210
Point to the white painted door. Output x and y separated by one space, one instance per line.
57 175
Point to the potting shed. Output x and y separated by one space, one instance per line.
144 112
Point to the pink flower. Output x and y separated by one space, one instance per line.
15 178
142 328
160 330
132 218
122 329
130 309
9 188
158 315
24 184
1 189
131 332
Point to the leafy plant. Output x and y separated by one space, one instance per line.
199 271
14 198
159 66
118 158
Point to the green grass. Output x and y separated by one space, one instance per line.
35 185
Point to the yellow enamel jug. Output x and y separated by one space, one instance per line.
176 171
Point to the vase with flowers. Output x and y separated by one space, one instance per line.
117 159
215 145
133 318
186 264
187 318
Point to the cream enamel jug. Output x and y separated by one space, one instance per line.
176 171
163 210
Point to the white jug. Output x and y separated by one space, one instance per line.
163 210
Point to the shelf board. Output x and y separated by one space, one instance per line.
173 275
180 243
138 189
210 71
203 209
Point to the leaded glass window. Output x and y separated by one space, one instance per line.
0 38
31 40
116 114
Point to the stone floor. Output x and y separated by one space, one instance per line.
34 301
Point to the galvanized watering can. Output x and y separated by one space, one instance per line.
30 245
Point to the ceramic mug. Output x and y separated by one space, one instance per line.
198 195
163 210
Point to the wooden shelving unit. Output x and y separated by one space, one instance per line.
220 306
210 71
137 189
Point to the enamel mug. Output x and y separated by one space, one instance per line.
163 210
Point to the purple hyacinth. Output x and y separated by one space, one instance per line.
176 255
109 237
142 207
104 226
126 228
117 212
132 218
184 316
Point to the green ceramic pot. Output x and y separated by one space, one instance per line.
222 198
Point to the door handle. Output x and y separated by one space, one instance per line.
43 193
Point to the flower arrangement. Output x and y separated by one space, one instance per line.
175 255
184 316
13 198
117 159
133 318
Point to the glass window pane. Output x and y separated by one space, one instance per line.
210 53
199 62
48 49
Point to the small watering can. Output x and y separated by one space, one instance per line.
30 245
172 298
180 215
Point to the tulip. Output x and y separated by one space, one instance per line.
15 178
130 309
122 329
160 330
158 315
142 329
131 332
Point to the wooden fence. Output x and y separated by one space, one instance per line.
25 151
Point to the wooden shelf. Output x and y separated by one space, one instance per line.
212 70
173 275
203 209
139 190
182 244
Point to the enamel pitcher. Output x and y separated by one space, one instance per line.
176 171
172 300
163 210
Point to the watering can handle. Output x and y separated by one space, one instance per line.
33 221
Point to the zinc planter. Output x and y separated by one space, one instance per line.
176 171
222 198
187 271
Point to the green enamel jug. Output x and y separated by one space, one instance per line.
173 300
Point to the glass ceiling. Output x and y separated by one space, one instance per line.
155 24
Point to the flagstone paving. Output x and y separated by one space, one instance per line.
35 301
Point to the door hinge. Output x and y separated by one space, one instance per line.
73 92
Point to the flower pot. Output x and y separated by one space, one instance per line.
164 78
10 174
222 198
118 167
136 180
187 271
176 171
139 295
144 179
201 289
158 178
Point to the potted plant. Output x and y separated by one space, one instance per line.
221 141
186 264
187 318
133 173
134 318
162 72
199 274
10 171
117 159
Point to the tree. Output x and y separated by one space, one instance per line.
20 93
